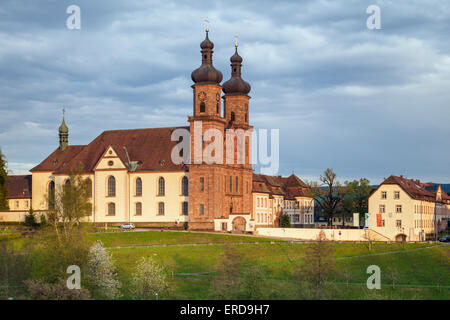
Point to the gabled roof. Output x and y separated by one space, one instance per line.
58 159
414 188
19 187
288 187
152 147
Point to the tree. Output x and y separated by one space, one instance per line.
328 194
30 219
285 221
51 257
231 282
347 274
15 267
71 204
3 188
317 269
225 284
356 196
149 280
40 290
252 284
393 275
101 273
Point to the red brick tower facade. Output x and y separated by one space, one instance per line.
218 185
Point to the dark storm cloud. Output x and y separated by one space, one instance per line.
365 102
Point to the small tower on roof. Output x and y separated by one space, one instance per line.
63 134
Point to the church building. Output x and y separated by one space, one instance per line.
132 175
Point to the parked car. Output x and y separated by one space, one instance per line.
127 226
445 239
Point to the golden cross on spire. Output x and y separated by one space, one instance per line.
207 24
64 111
236 36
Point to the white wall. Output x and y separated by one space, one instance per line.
312 234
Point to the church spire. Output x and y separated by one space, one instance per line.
206 73
63 133
236 85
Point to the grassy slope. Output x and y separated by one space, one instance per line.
142 238
279 260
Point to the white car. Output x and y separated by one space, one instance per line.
127 226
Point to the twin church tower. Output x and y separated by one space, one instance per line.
208 195
217 192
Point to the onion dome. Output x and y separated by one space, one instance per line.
236 85
206 73
63 128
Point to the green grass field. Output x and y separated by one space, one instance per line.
194 265
144 238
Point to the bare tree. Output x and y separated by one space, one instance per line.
393 275
328 194
317 269
72 203
347 274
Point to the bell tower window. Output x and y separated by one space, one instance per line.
232 116
202 107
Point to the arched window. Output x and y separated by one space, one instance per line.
138 187
202 107
160 208
67 183
161 187
89 187
51 195
217 108
184 186
111 209
237 184
138 210
184 208
232 116
111 186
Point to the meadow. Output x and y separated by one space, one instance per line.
420 270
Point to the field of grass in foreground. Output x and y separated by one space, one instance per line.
144 238
194 266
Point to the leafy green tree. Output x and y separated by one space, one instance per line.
356 196
3 188
30 219
285 221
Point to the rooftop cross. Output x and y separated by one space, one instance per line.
207 24
236 36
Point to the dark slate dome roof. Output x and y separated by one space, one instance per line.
206 73
236 85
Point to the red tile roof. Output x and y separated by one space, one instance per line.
19 187
288 187
58 159
152 147
414 188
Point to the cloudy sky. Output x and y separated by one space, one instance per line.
367 103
